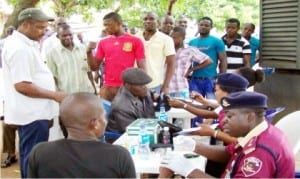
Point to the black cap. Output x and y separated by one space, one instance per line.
244 99
34 13
232 80
136 76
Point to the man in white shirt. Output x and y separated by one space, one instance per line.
29 88
159 51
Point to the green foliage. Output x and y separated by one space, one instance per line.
219 10
13 2
133 10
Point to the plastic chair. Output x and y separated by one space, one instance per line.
290 125
107 107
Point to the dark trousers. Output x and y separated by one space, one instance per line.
30 135
9 138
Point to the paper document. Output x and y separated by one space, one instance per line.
190 130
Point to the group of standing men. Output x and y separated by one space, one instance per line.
32 91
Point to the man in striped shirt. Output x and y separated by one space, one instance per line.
68 64
237 47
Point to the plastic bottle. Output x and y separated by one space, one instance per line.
166 136
162 114
144 141
133 146
185 94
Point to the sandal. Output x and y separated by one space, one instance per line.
10 160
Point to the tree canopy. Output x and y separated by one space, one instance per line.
133 10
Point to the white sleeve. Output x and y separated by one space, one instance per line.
20 67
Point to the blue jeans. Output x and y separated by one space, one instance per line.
30 135
206 88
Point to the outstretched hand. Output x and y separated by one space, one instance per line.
59 96
176 103
204 130
178 164
198 97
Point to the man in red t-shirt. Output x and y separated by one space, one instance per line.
118 51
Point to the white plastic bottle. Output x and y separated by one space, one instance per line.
144 141
162 114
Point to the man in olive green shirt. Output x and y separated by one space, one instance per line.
67 61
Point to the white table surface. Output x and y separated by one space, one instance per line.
180 113
152 163
177 113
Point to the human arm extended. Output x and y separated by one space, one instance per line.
91 78
92 61
34 91
170 62
212 152
141 64
206 130
169 11
206 62
192 109
185 166
222 62
199 98
246 59
180 165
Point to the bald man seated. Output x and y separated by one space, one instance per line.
81 155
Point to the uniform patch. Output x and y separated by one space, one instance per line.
252 166
225 103
127 47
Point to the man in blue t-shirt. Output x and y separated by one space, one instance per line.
202 80
248 30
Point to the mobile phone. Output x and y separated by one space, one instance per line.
190 155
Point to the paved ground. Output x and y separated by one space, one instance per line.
10 172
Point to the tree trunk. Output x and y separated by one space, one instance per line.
13 18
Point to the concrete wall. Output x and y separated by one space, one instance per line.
283 89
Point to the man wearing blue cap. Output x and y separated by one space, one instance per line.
225 84
261 151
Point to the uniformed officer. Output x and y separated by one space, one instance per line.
262 150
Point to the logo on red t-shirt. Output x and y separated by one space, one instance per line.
127 46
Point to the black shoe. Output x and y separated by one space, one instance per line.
10 160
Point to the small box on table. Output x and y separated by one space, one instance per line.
152 128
